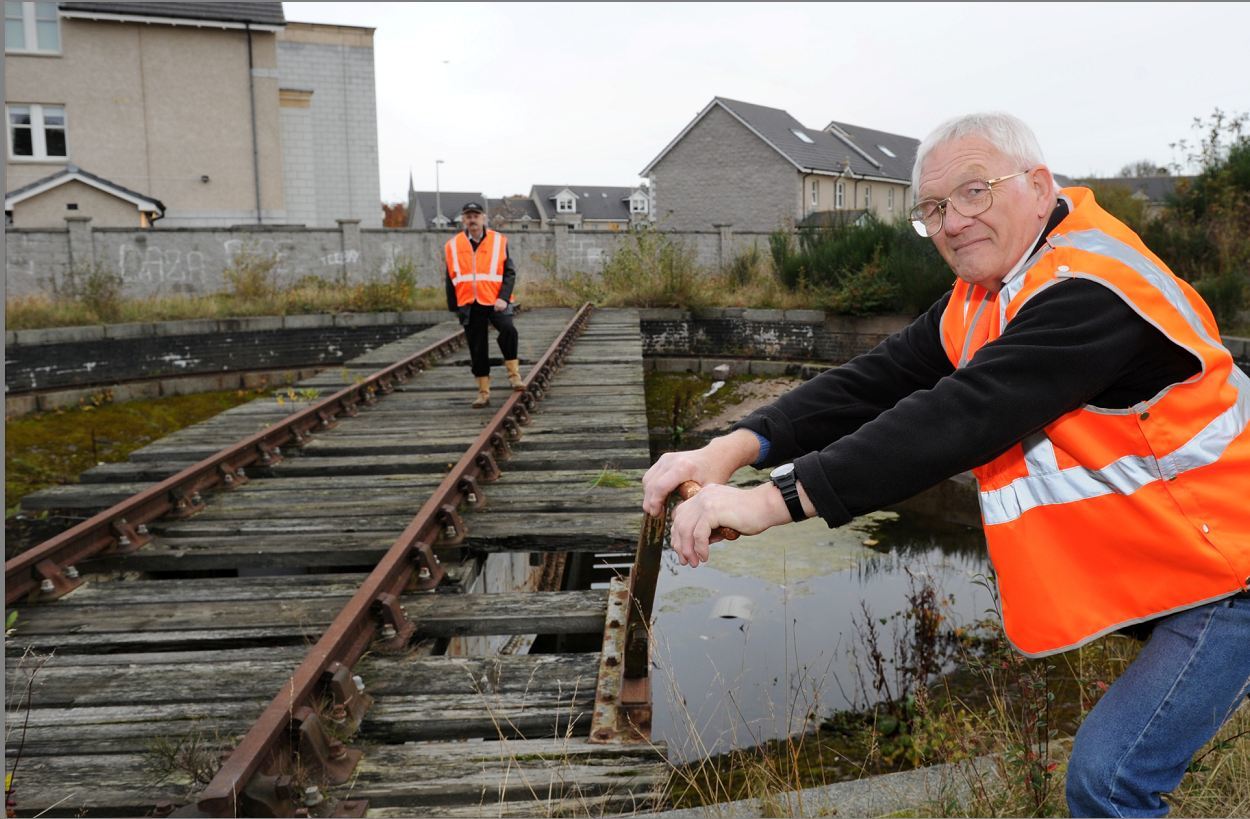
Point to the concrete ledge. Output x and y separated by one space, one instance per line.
364 319
250 324
57 335
662 314
135 330
871 796
187 327
805 316
306 321
763 315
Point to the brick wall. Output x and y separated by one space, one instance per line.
721 173
102 355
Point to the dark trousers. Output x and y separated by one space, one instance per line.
479 352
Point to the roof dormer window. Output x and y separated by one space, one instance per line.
887 152
638 203
802 136
566 204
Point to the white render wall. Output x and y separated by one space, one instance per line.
330 149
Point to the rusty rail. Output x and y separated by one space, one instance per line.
259 777
623 691
48 571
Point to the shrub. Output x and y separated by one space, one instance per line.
250 273
652 269
745 268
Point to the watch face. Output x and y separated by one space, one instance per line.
782 471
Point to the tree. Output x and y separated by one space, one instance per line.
395 215
1144 167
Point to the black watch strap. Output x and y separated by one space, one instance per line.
790 494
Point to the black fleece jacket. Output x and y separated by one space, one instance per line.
899 419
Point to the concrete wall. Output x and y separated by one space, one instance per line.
154 108
192 260
721 173
101 355
331 143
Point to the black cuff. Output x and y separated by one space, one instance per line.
811 474
774 426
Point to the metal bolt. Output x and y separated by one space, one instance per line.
123 541
338 714
312 796
71 572
277 450
197 498
472 498
388 632
337 749
424 574
240 472
359 682
449 531
47 586
228 478
142 529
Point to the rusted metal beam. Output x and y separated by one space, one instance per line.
267 752
122 528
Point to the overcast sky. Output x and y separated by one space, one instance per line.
515 94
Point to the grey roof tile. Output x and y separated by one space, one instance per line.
451 202
258 12
513 207
593 202
873 141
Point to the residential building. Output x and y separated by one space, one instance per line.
758 168
511 213
1154 192
592 208
220 113
438 209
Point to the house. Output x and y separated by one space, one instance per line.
218 112
757 168
592 208
513 213
438 209
1154 192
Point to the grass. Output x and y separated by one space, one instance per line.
52 448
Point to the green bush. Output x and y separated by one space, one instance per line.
250 273
652 269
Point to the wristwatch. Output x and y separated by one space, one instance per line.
783 477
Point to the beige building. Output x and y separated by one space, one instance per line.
174 115
758 168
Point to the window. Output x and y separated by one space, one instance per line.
638 204
887 152
839 195
889 198
37 132
31 27
804 137
566 204
815 193
867 197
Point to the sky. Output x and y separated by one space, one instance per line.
511 95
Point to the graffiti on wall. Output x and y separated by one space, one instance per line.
156 265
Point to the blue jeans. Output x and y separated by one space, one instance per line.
1136 743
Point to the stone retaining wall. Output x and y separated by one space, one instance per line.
71 357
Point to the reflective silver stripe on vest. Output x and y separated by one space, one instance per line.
1126 475
494 257
455 257
1039 454
1132 472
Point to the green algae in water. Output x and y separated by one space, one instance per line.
51 448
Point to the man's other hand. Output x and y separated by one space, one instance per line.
500 305
714 463
750 511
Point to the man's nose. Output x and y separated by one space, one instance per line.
954 222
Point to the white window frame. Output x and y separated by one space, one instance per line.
867 196
815 193
565 204
839 195
638 204
30 30
38 132
889 198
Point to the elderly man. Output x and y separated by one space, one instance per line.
1087 388
480 278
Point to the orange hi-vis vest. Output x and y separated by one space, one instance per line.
477 275
1109 517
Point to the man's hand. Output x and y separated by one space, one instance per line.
750 511
462 315
714 463
500 305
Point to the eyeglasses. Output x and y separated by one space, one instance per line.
970 199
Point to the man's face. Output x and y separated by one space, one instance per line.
982 249
474 221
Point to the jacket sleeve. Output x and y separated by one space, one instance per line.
840 400
450 288
509 275
1067 345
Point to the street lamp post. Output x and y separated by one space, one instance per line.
438 197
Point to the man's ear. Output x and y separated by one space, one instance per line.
1043 182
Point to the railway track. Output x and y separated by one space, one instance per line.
375 602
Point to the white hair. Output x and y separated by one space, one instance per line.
1005 132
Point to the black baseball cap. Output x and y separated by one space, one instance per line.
468 206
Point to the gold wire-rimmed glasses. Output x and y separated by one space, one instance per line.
972 198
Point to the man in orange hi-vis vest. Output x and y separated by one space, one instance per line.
479 283
1108 427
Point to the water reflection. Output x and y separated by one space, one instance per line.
724 683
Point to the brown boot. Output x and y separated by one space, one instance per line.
514 374
483 392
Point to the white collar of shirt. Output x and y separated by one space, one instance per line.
1015 270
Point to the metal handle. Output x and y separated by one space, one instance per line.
687 490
